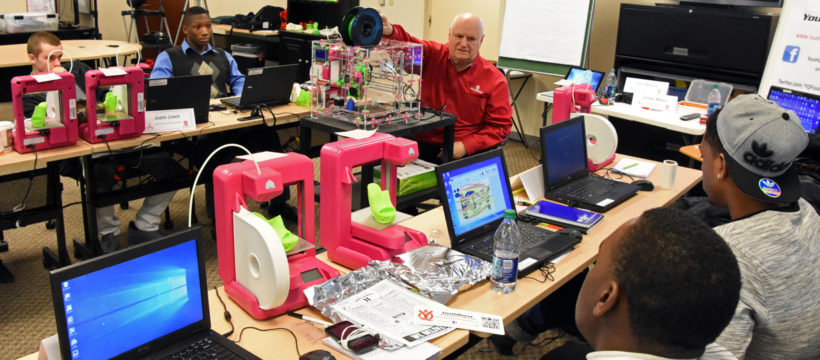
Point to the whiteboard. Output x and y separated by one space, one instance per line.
545 36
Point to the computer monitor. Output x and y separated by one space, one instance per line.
477 191
68 11
576 74
805 105
131 299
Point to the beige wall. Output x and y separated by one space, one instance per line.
12 6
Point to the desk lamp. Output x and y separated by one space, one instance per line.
350 243
124 115
59 123
257 272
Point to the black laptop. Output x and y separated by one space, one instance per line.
475 191
566 171
180 92
577 75
145 302
267 86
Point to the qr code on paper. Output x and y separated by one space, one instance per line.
489 323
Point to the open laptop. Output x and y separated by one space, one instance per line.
805 105
267 86
147 301
475 191
566 171
180 92
576 74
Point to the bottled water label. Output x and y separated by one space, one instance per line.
505 270
712 108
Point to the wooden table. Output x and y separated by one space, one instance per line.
692 151
14 166
481 298
279 344
224 29
219 121
16 54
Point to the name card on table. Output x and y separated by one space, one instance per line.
644 86
158 121
655 102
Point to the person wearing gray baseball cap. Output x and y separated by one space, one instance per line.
748 153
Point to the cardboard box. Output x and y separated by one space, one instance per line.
413 177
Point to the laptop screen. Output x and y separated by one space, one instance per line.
806 106
477 192
577 75
563 151
127 304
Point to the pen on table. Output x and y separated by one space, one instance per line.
309 318
629 166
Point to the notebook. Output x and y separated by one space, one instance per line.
180 92
146 301
475 191
566 171
266 86
563 215
805 105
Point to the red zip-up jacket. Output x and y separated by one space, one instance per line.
477 95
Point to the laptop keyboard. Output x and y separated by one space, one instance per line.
531 236
205 348
588 188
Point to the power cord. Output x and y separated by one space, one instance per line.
546 270
22 205
295 340
226 314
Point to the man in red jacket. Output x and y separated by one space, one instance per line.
455 76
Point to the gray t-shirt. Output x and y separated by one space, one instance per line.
778 316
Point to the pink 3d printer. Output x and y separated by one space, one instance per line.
53 124
568 98
124 114
258 274
350 243
600 133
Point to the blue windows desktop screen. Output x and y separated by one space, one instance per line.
121 307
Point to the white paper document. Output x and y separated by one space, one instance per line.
635 168
386 308
158 121
445 316
261 156
357 134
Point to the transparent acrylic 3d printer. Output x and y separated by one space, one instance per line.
366 86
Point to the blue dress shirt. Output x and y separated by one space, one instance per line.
164 69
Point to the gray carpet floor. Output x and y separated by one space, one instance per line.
26 312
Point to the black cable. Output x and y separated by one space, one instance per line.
226 314
546 271
22 205
72 204
271 114
295 340
106 144
142 148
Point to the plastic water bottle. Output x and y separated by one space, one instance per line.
611 84
713 100
507 244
